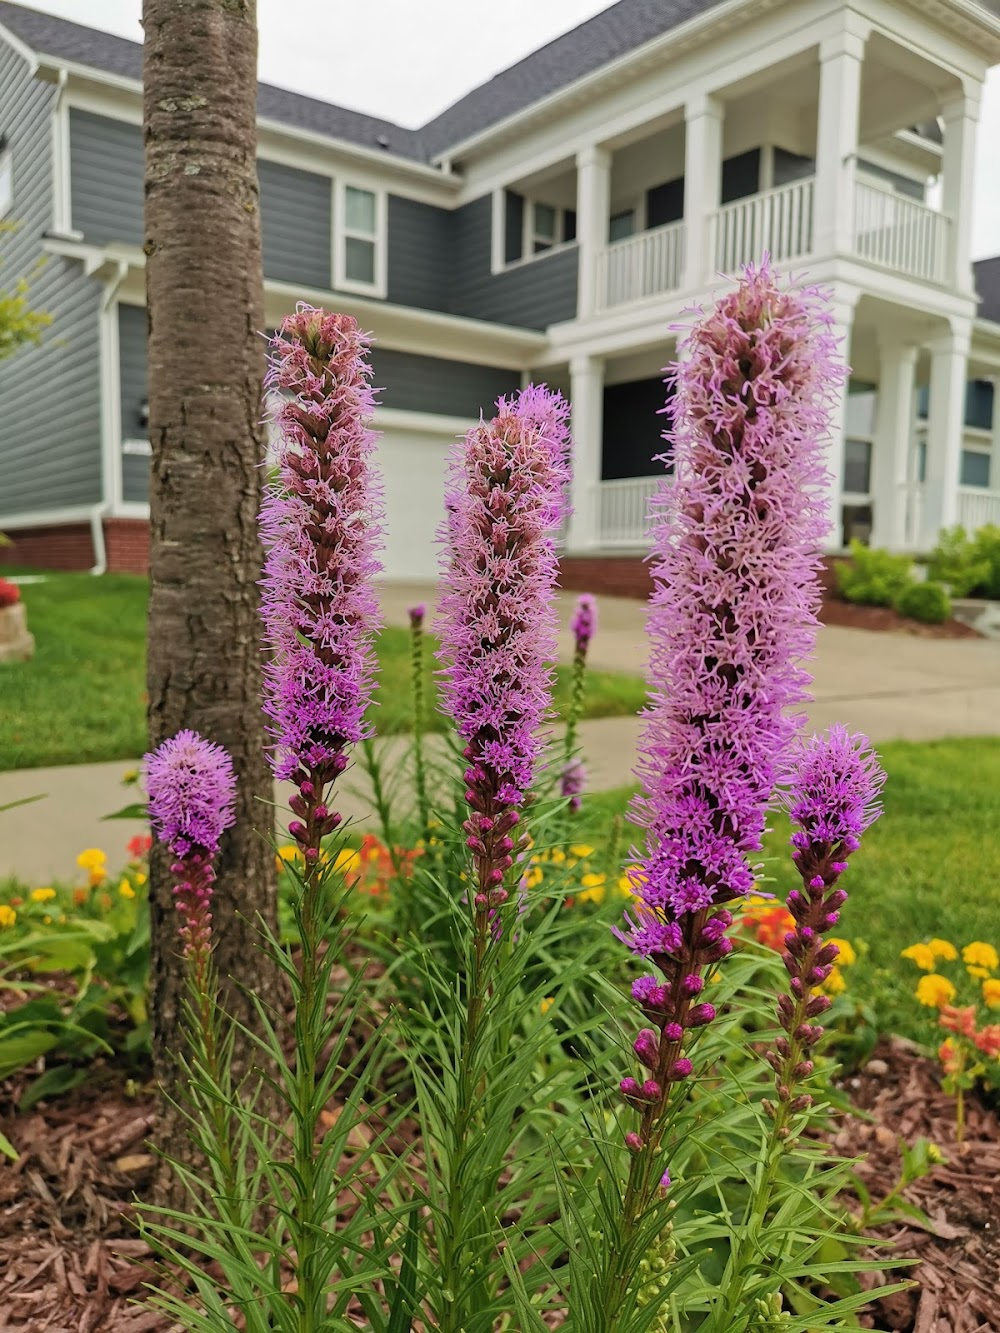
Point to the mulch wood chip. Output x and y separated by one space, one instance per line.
70 1260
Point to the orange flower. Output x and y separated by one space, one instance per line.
962 1021
769 922
80 896
950 1057
988 1040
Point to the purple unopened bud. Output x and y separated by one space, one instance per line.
634 1142
700 1014
646 1048
673 1032
651 1090
665 1181
692 985
680 1069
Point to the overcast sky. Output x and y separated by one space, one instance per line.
409 59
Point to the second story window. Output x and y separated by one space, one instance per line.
360 245
6 179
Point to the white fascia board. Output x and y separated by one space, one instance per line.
131 109
23 50
428 423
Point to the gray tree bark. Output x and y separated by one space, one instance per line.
204 290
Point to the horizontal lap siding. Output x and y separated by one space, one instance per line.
50 422
531 295
106 175
420 254
296 220
433 384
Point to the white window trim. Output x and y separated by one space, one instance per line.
7 165
341 282
499 222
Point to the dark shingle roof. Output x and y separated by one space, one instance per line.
611 33
100 50
987 275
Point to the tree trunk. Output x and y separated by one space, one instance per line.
204 291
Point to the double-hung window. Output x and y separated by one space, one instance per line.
359 242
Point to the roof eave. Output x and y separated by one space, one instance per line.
420 170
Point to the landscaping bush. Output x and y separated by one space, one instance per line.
926 602
968 565
872 576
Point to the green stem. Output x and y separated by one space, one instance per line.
419 767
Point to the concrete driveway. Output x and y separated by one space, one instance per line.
894 687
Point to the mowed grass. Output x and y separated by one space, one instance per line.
82 697
929 868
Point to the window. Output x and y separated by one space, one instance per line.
621 225
975 468
360 247
6 181
545 220
530 227
857 466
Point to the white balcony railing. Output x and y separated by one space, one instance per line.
779 221
899 233
978 507
640 266
623 510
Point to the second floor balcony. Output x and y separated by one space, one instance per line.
892 231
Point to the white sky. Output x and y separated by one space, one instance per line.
409 59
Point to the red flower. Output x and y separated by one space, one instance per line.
962 1021
138 847
988 1040
10 594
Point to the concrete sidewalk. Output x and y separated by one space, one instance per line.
893 687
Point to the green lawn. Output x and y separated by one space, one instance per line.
82 697
929 867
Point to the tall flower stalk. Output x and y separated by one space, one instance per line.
498 645
734 613
583 626
832 797
320 523
416 615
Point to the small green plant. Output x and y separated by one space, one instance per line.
926 602
873 577
968 564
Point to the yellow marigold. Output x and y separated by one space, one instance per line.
581 851
921 954
7 916
626 886
347 860
139 877
288 853
593 888
547 1003
556 855
978 973
935 990
991 992
42 895
978 954
125 889
943 949
847 956
534 877
92 858
835 983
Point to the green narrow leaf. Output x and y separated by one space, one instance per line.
53 1083
137 811
404 1303
7 1148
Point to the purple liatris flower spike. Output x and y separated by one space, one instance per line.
573 782
416 614
192 792
498 634
734 613
832 798
584 622
320 524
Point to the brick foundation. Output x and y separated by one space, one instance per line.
613 575
69 546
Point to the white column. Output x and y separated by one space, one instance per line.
958 162
843 314
841 57
587 398
593 211
945 427
703 117
893 442
995 452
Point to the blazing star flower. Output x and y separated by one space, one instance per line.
416 614
833 797
584 622
734 611
320 522
192 794
504 506
573 782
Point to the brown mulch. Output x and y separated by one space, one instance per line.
884 620
958 1275
70 1260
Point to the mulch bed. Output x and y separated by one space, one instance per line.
70 1260
886 621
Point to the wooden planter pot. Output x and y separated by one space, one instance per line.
16 644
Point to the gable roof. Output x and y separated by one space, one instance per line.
612 33
987 279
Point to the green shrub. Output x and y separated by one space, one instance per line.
872 576
968 565
927 602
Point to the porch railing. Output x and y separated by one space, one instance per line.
623 510
640 266
977 507
779 221
899 233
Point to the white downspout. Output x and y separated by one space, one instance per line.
112 407
97 515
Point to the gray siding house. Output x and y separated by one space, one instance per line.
553 223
